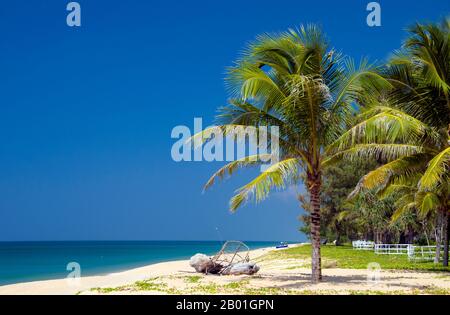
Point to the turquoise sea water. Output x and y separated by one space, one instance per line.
31 261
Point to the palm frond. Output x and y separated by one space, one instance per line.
247 81
378 152
399 212
390 126
380 177
428 51
276 176
230 168
438 171
363 80
427 202
239 131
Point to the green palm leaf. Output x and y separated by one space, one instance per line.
230 168
438 171
276 176
427 202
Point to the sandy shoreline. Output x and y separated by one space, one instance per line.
288 276
63 286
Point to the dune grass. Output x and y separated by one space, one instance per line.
349 258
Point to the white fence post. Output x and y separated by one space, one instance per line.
416 253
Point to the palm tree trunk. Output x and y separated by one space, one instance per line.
315 231
425 232
410 235
445 232
438 232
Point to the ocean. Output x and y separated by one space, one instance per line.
32 261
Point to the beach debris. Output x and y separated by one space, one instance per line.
200 262
204 264
232 259
241 269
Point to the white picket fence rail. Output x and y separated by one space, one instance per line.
364 245
423 253
392 249
415 253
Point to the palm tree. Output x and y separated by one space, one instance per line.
408 147
409 198
292 80
409 126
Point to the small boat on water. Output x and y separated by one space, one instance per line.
282 245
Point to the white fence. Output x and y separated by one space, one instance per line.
364 245
415 253
423 253
392 249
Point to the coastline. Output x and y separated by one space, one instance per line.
278 275
68 287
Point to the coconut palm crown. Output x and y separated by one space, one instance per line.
295 81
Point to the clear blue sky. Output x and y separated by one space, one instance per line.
86 114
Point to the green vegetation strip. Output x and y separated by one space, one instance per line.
349 258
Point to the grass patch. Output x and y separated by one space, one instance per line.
297 267
236 285
349 258
149 285
268 291
108 290
210 288
144 285
192 279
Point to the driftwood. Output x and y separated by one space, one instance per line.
204 264
241 269
232 259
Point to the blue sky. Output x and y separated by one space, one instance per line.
86 113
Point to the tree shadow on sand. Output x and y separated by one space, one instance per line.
303 281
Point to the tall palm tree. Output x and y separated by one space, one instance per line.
409 126
292 80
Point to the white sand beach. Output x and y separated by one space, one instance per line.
64 286
275 277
